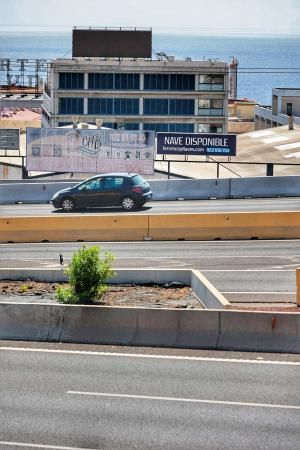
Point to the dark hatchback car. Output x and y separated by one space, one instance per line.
128 190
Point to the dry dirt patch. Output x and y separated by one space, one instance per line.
175 296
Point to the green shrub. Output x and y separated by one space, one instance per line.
87 275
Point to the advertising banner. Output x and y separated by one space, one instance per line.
10 138
87 150
196 144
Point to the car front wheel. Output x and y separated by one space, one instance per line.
127 203
67 204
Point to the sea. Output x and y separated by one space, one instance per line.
265 62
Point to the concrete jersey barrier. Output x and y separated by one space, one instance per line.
286 186
229 330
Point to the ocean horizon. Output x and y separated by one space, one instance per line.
265 61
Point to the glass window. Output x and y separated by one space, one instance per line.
100 106
126 106
172 127
180 82
156 106
101 81
210 107
69 80
155 81
182 107
210 128
181 127
127 81
211 82
131 126
70 105
157 127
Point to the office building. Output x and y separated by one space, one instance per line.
132 91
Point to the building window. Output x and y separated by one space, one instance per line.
131 126
156 81
210 128
211 83
101 81
169 127
69 80
70 105
157 127
126 106
127 81
173 82
210 107
156 106
181 127
182 107
120 81
180 82
174 107
100 106
113 106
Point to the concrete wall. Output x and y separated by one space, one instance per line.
226 330
286 186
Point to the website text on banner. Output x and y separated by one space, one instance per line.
86 150
196 144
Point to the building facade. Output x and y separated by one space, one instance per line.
165 95
285 103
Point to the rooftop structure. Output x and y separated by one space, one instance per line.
285 103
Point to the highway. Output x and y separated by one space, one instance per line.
59 398
168 207
244 271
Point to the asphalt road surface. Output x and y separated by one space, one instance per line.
244 271
168 207
52 397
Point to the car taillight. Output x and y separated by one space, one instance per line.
137 189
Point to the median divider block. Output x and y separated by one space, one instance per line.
240 225
74 227
28 322
210 297
259 331
99 324
198 329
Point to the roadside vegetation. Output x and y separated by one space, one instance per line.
87 273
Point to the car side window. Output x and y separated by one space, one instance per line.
91 185
113 183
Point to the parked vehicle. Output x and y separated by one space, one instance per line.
127 190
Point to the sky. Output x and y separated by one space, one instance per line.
278 17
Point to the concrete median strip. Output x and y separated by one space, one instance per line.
211 329
139 227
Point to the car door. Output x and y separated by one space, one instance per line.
90 193
112 190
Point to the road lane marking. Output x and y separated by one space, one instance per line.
136 355
29 445
185 400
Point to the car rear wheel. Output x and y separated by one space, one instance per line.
127 203
67 204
